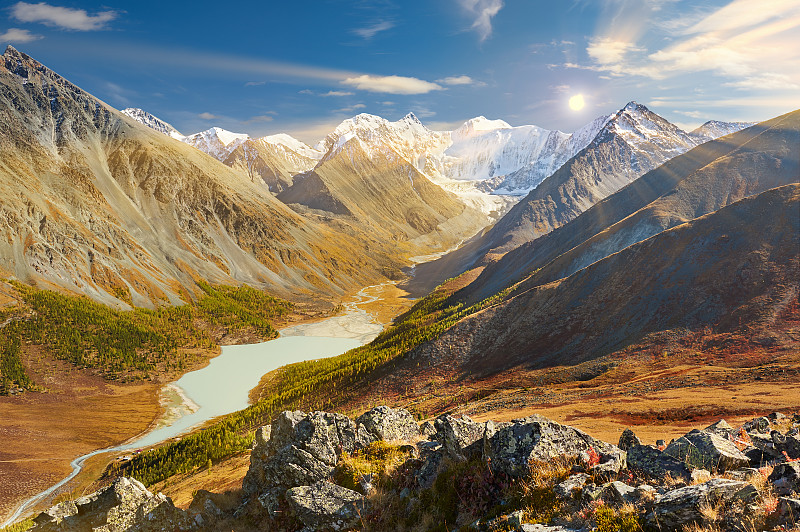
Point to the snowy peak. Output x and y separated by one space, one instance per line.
217 142
638 126
477 126
714 129
153 122
284 141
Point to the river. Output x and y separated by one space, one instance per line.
222 387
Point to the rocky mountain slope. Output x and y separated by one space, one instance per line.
737 265
630 143
153 122
275 160
701 181
714 129
98 204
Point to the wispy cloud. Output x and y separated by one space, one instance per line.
755 46
208 116
255 83
391 84
350 109
118 94
61 17
18 35
258 119
483 12
457 80
337 93
371 31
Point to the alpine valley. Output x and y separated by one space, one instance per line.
626 275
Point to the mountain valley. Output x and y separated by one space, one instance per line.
627 274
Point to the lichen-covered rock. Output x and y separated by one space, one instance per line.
682 506
628 439
427 430
789 444
574 484
759 425
706 450
302 449
459 436
431 456
537 438
326 506
655 464
618 493
389 424
124 506
720 428
785 478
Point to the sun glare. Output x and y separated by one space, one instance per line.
576 103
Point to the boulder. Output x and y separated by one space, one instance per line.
720 428
461 437
326 506
572 485
655 464
536 438
301 450
785 478
628 439
789 444
126 505
431 456
427 430
544 528
705 450
390 424
759 425
618 493
682 506
776 417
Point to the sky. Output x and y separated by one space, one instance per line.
303 66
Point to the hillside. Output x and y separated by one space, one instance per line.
96 203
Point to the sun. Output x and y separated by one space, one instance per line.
576 103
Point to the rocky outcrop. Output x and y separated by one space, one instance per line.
303 466
326 506
683 506
124 506
706 450
512 447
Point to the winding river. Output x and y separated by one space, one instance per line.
222 387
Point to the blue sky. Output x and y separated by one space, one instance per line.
303 66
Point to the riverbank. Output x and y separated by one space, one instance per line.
172 409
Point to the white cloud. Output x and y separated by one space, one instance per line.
391 84
305 91
457 80
254 119
350 109
61 17
370 31
338 93
483 11
255 83
208 116
18 35
768 80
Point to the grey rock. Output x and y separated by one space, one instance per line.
573 484
390 424
789 444
618 493
699 449
759 425
126 505
788 511
655 464
514 519
427 430
326 506
681 506
645 491
720 428
776 416
745 474
459 436
536 438
785 478
262 435
627 439
431 458
302 449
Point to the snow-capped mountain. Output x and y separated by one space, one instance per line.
714 129
217 142
153 122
